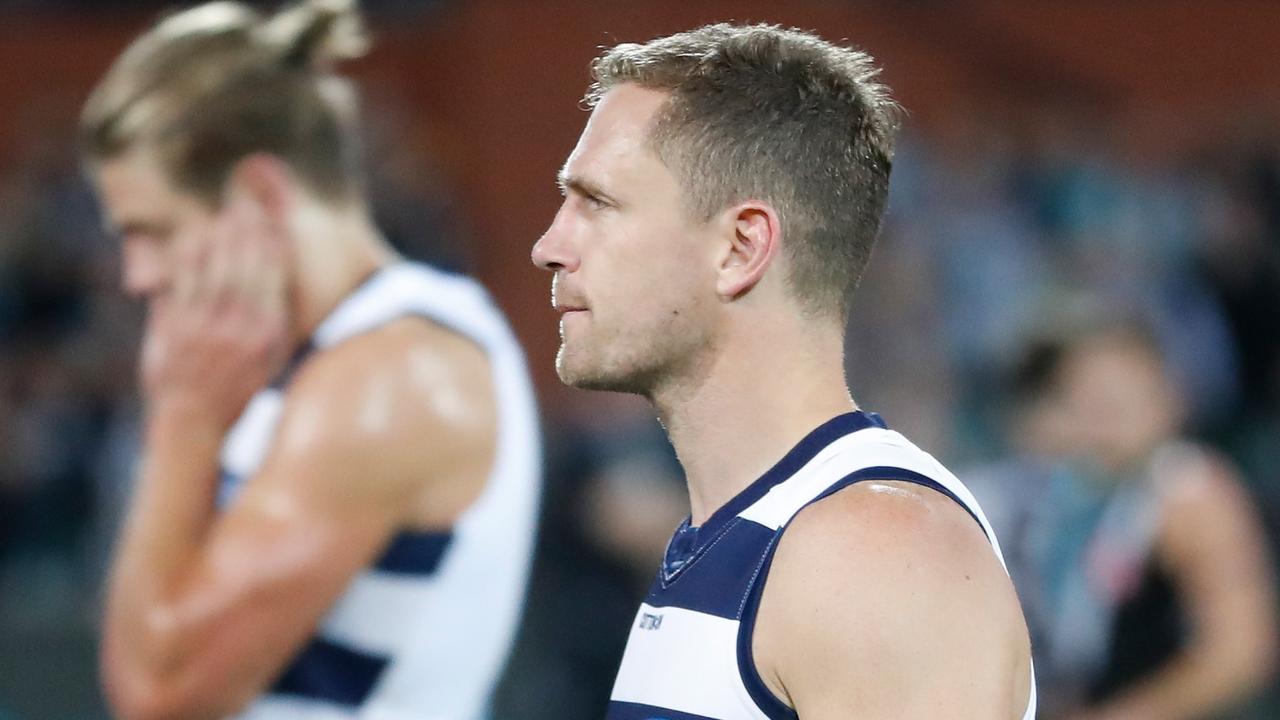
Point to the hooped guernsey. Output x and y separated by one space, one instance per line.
689 654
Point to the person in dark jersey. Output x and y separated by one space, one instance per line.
340 473
1138 552
719 208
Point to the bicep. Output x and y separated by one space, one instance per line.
276 560
409 444
374 431
918 659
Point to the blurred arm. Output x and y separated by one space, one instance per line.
1213 545
206 609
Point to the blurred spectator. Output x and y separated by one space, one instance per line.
1138 554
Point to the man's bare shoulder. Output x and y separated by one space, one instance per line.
883 523
888 543
887 596
405 407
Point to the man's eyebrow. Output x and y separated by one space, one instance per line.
579 185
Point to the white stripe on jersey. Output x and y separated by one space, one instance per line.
290 708
871 447
247 443
660 669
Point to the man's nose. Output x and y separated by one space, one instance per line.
553 251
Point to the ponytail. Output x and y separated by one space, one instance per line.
216 82
315 34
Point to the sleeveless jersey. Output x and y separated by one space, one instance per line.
425 631
689 654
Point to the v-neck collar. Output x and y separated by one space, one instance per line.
690 541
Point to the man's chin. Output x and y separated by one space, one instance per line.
584 377
580 378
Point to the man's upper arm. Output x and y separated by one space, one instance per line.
1214 546
886 599
373 431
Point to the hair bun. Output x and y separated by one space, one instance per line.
316 33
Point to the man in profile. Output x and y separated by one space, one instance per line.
719 208
335 505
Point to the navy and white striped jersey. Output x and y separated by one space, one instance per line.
425 631
689 653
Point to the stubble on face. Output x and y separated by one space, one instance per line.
640 276
654 347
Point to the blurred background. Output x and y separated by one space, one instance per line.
1075 305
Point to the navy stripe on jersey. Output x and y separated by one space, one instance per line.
763 697
409 553
636 711
716 587
228 485
299 356
303 353
415 553
325 670
812 444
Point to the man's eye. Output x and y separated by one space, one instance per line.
594 202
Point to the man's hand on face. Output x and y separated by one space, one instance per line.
223 332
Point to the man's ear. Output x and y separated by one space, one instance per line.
266 182
753 236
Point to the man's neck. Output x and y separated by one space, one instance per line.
338 251
749 407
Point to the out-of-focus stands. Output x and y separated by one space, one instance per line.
1003 219
1098 335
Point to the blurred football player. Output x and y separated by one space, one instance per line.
336 498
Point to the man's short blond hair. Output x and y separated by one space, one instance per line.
208 86
780 115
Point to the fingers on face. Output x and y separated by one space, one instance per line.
229 273
190 248
238 240
261 268
245 273
218 275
